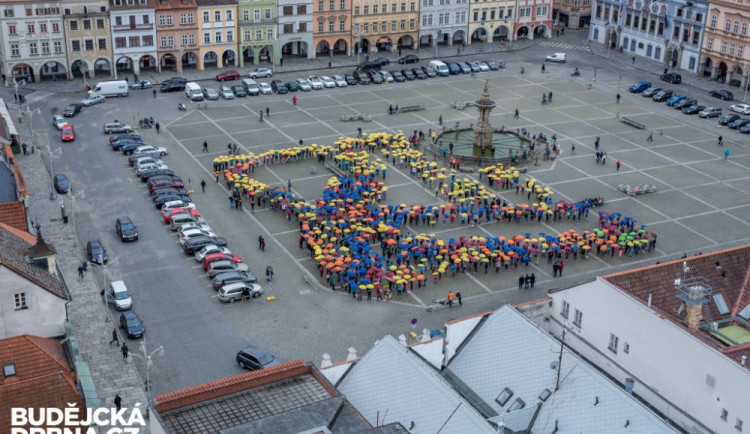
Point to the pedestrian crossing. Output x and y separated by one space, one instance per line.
578 47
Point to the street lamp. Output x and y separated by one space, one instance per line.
747 82
359 46
83 69
73 212
108 318
148 362
52 155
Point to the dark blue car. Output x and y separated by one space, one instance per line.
640 86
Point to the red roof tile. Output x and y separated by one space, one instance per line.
43 376
13 251
13 214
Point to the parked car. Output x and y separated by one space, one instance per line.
431 73
260 73
292 86
95 252
728 118
315 82
387 77
340 81
362 77
640 86
126 229
375 77
159 172
72 110
721 94
464 67
141 84
209 250
419 73
160 183
226 92
232 74
398 76
94 98
210 94
279 87
327 81
117 127
408 74
151 150
159 202
483 66
473 66
254 358
651 91
693 109
710 112
743 109
350 80
62 185
739 123
265 88
686 102
745 129
557 57
180 80
232 292
411 58
303 85
233 276
197 243
58 122
170 86
215 257
224 266
383 61
68 133
662 95
125 136
128 146
671 77
675 99
150 166
184 208
132 325
493 65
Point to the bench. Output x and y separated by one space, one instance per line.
632 123
410 108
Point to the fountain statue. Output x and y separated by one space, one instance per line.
483 132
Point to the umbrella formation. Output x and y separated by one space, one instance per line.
363 245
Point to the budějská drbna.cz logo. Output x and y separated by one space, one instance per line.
74 420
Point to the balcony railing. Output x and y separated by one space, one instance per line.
126 27
257 23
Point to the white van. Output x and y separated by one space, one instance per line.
111 88
193 92
119 295
440 68
250 86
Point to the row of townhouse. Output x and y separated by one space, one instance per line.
708 38
53 40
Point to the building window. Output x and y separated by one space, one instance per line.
218 37
356 10
403 24
86 24
229 15
565 309
88 45
342 5
258 35
321 6
736 27
11 29
713 21
121 42
739 50
230 35
302 27
134 41
738 425
332 27
578 318
723 46
724 414
393 25
148 41
403 7
14 50
504 397
188 18
217 16
626 348
302 10
288 28
375 9
100 23
206 37
163 41
58 47
268 14
412 23
30 29
393 9
412 7
727 25
75 45
206 17
20 301
731 49
288 10
613 342
691 63
342 25
102 43
744 29
73 25
657 53
256 15
710 44
365 27
365 10
270 34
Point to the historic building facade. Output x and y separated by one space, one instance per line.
295 28
88 38
572 14
258 32
492 21
385 26
725 53
133 36
332 27
218 42
533 19
176 34
443 22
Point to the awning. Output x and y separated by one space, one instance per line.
383 40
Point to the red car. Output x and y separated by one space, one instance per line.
164 183
228 75
68 134
213 257
167 214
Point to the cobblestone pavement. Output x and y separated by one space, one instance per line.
86 312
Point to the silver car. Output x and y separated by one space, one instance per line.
303 84
117 127
58 121
209 250
340 81
210 94
327 81
94 98
224 266
265 88
260 73
226 92
232 292
315 82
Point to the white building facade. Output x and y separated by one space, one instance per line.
33 41
675 371
133 36
670 32
295 19
443 22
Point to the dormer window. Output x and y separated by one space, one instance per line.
517 405
545 395
9 370
504 396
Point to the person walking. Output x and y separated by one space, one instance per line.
458 296
573 149
261 243
289 182
650 136
450 299
157 126
80 272
721 141
268 112
596 143
560 268
618 98
118 402
124 350
115 338
555 267
520 282
205 146
533 279
390 109
515 115
726 153
269 273
261 117
543 69
617 166
294 100
154 92
203 185
633 60
549 97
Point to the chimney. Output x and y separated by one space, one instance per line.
694 292
743 360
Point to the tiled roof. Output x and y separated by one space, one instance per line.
14 214
135 5
203 3
507 351
7 185
242 399
174 4
658 282
22 234
43 377
13 250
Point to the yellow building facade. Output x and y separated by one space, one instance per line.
218 39
384 25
